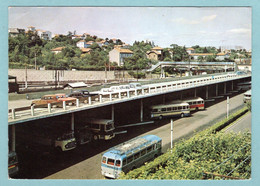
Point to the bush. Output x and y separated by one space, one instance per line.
202 152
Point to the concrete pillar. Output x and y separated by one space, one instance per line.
119 95
72 121
128 94
77 102
13 113
110 96
89 100
142 111
216 89
13 138
64 105
100 98
207 92
135 92
49 107
32 110
113 112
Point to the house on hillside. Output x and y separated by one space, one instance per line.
156 53
13 32
190 50
45 35
82 44
153 55
57 50
86 50
119 54
219 56
222 56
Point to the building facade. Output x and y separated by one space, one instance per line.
118 55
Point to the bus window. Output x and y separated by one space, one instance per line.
155 110
149 149
163 109
179 108
118 162
169 109
124 162
110 161
104 160
143 152
137 155
130 159
174 108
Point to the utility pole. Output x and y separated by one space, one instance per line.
227 106
171 135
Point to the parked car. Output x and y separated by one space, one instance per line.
83 95
43 102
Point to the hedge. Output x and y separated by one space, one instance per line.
161 161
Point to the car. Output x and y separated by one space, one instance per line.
82 95
43 102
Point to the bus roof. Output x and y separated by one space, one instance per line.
180 103
128 148
193 99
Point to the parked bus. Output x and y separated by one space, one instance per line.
130 155
101 128
247 96
170 110
196 103
12 163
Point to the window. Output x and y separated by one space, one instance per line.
104 160
169 109
174 108
179 108
149 149
163 109
110 161
130 159
137 155
118 162
155 110
124 162
143 152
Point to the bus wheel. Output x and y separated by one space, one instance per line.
182 115
160 117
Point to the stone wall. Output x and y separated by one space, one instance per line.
64 75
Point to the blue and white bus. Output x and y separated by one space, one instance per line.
130 155
179 109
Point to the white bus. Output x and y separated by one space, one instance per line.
196 103
170 110
247 96
130 155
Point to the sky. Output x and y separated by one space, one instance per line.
189 26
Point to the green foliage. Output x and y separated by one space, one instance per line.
248 104
204 152
179 53
137 75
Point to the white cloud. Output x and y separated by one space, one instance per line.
209 18
240 31
194 22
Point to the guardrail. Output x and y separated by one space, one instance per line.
149 89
